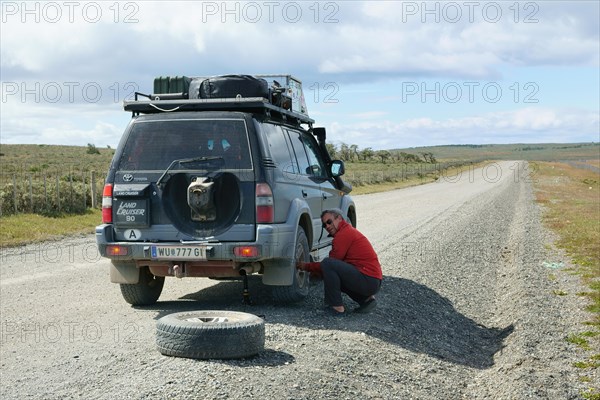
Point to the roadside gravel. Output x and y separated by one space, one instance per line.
468 309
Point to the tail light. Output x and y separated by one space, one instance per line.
246 251
107 203
116 250
264 204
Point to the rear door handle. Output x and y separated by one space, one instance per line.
304 194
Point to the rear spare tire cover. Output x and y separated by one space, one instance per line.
210 334
225 196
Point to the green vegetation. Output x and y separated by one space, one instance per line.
91 149
528 152
374 177
570 194
51 180
29 228
591 394
31 158
579 340
571 197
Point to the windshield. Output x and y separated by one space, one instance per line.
154 145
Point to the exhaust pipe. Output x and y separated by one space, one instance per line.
248 269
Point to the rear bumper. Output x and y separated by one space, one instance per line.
274 241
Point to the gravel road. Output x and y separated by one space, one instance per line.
468 309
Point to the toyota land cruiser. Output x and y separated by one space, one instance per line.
219 177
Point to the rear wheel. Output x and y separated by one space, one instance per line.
146 291
298 290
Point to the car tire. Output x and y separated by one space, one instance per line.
298 290
210 334
146 292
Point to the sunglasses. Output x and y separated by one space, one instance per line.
328 222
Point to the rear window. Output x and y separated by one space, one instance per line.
154 145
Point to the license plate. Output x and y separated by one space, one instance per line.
178 252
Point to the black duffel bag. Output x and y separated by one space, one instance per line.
232 86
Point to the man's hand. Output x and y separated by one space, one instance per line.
301 265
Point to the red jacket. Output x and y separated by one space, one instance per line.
351 246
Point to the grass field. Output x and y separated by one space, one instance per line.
29 228
571 198
366 177
23 158
528 152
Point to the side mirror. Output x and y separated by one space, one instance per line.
337 168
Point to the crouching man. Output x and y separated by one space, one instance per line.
352 266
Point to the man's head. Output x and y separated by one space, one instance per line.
331 220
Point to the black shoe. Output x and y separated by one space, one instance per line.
366 307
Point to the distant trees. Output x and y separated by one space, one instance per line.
384 155
367 154
345 152
408 158
331 149
352 152
92 149
428 157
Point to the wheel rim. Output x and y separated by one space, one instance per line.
301 276
208 320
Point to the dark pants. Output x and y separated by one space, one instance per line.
339 276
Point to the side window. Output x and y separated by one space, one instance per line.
300 152
280 148
316 164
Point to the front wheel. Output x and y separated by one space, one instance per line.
146 291
298 290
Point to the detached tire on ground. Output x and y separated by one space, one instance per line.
210 334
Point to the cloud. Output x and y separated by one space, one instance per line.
526 125
123 47
373 38
69 125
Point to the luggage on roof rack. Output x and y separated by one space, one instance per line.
286 88
278 96
172 84
233 86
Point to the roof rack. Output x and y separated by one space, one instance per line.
257 105
282 99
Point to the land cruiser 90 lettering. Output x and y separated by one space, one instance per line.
219 177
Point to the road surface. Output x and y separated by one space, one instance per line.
468 309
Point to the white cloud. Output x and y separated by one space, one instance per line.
326 42
68 125
369 37
527 125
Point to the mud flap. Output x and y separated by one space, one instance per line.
124 273
278 272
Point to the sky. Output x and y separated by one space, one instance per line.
379 74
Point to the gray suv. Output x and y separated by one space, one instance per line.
219 177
